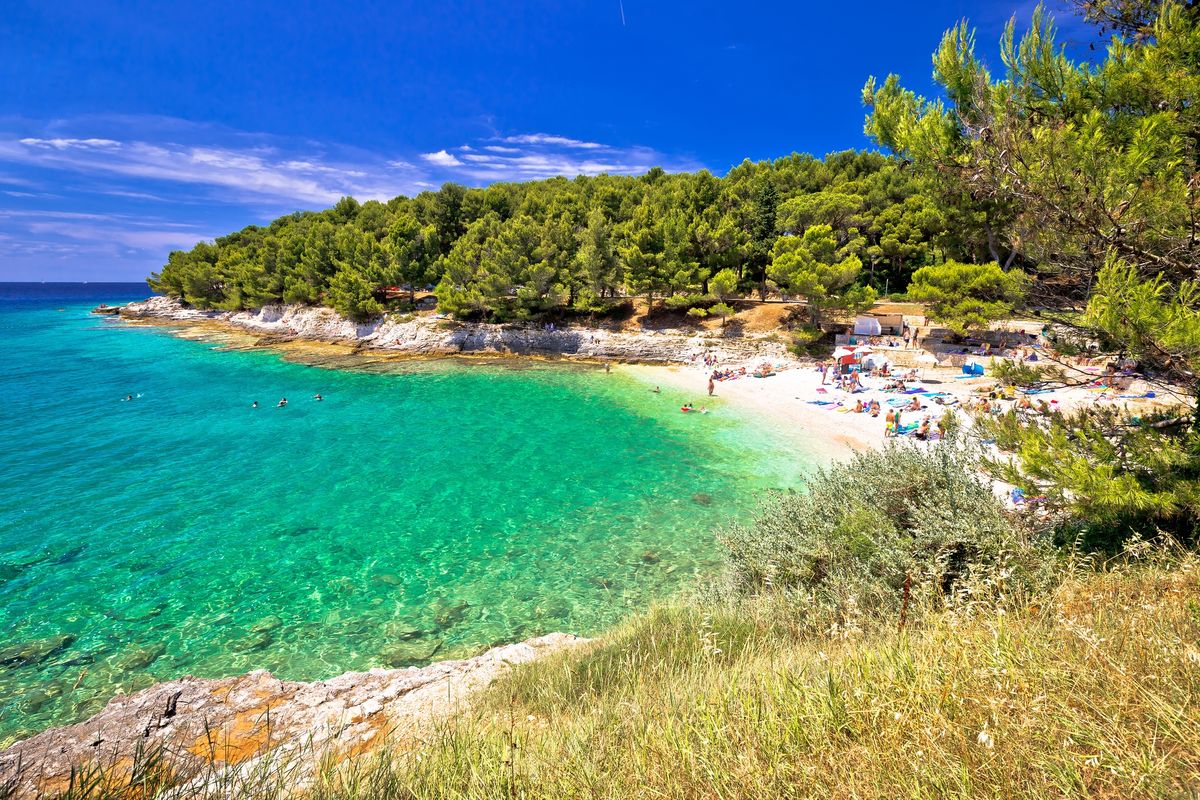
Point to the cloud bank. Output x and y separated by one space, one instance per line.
125 191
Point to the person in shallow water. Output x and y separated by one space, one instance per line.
254 404
282 402
318 397
126 397
657 390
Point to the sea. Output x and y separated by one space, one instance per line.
154 524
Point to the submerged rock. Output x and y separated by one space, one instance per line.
702 499
449 616
35 652
651 557
413 651
267 624
388 578
35 699
140 657
252 643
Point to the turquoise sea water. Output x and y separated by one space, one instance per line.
420 511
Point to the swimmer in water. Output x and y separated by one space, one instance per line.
656 390
318 398
126 397
282 402
254 404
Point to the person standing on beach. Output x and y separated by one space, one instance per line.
711 385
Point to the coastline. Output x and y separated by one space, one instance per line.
425 336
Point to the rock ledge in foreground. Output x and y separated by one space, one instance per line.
235 722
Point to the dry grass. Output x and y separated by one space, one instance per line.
1093 694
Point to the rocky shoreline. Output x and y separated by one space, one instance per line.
214 732
431 336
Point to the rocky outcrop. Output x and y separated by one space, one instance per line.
433 336
216 731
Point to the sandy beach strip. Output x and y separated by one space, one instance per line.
787 401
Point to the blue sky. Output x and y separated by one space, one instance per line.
128 129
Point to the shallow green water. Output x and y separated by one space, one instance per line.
426 513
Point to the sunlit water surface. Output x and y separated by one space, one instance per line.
420 511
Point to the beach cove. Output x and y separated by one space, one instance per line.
423 510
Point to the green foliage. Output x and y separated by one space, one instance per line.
722 310
815 267
865 528
1085 171
1149 318
512 251
967 297
1119 476
724 284
1019 373
352 296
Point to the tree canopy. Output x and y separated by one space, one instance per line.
519 250
1087 174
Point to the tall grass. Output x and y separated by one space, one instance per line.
1093 693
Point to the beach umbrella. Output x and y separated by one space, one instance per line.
842 352
863 348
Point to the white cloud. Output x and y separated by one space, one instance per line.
252 174
545 156
441 159
64 144
550 139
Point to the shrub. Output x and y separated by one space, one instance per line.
866 528
1018 373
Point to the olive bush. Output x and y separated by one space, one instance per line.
902 522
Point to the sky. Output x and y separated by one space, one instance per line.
130 129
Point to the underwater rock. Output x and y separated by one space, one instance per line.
36 651
556 608
35 699
267 624
69 556
140 657
140 613
449 616
388 578
255 641
702 499
651 557
413 651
